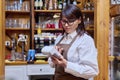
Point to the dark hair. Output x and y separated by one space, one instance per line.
73 12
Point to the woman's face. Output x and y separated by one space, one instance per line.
70 25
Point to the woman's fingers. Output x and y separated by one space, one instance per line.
59 49
55 59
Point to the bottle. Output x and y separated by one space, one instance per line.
52 41
41 44
88 22
21 1
75 2
39 31
40 4
36 42
45 5
20 5
64 3
85 5
55 5
60 5
14 42
50 5
46 41
36 5
68 2
88 4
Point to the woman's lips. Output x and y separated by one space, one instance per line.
67 28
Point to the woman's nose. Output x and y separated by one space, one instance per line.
66 24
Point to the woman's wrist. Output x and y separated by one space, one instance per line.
65 64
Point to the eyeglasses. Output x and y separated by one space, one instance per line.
70 22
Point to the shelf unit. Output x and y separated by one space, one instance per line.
31 30
17 21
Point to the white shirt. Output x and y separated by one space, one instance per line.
82 56
68 38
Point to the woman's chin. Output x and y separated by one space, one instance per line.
68 31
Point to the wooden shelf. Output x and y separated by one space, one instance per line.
55 11
17 29
9 11
88 11
7 62
46 29
90 29
51 29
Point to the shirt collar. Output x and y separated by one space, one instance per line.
71 35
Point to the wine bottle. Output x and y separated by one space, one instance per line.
55 5
50 5
36 5
60 5
88 4
40 4
64 3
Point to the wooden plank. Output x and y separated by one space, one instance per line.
102 36
1 39
33 23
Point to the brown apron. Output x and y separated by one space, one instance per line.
60 74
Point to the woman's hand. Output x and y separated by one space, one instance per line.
62 62
59 49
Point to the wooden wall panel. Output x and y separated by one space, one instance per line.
102 36
1 39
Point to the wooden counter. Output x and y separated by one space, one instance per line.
24 62
111 58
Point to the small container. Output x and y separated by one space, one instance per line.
31 55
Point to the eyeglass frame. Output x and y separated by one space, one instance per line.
70 22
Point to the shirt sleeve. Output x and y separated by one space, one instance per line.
87 66
49 59
51 63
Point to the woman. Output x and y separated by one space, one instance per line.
79 61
